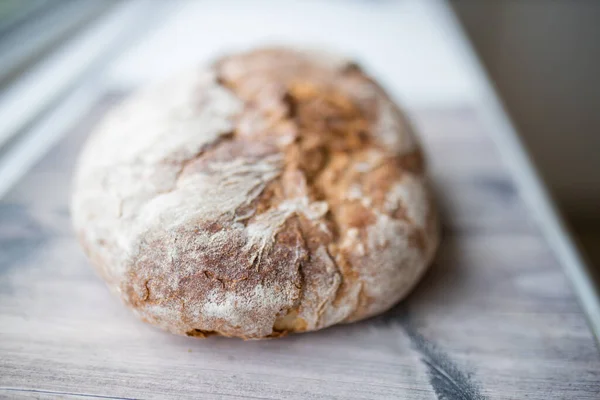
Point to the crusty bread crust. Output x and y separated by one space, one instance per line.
276 191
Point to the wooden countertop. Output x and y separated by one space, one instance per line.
494 318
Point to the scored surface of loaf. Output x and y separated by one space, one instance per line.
276 191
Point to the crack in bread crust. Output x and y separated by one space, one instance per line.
283 192
325 124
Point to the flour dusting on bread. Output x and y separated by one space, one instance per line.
276 191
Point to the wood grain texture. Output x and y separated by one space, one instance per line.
494 318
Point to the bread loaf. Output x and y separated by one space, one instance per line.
275 191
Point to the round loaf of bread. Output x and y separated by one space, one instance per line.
275 191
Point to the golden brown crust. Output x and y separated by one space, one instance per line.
300 202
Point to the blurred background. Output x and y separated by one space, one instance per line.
543 58
59 57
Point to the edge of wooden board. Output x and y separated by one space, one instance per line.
534 193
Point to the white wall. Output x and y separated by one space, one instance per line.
401 42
